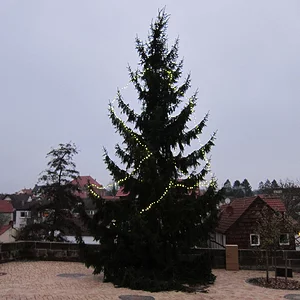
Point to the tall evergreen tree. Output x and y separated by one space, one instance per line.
58 198
267 185
274 184
144 237
236 185
261 187
227 184
247 188
227 188
237 190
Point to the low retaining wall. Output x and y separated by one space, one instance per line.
31 250
253 259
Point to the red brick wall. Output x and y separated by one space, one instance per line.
239 232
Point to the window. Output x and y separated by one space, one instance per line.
25 214
284 239
254 239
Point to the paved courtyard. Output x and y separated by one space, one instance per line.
39 280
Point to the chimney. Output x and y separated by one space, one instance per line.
229 210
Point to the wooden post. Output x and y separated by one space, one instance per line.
232 258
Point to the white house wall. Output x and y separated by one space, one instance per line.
20 221
220 240
7 236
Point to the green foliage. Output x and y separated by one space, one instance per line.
143 236
247 188
274 184
4 219
267 184
58 198
238 190
260 187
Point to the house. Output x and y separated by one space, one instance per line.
25 191
238 222
121 194
84 181
6 226
22 208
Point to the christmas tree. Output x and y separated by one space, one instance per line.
147 238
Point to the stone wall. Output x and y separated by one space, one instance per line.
30 250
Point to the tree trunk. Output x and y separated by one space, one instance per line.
52 231
275 263
285 256
267 266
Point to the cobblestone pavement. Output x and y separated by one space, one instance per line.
39 280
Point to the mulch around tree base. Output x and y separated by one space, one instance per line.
273 284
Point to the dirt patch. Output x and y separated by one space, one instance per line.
280 283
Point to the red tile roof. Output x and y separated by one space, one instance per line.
83 182
4 228
6 207
230 213
275 203
110 198
121 192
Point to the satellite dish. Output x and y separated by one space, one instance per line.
227 200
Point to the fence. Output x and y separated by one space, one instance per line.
31 250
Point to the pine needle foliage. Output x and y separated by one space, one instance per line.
59 190
147 238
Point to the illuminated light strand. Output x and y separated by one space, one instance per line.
134 136
130 130
159 199
149 153
205 183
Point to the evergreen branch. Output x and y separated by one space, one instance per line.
131 115
140 47
177 124
172 56
125 157
194 132
115 171
192 160
185 86
134 78
128 134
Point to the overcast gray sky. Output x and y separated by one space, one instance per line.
61 62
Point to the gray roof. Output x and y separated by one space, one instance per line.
20 201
